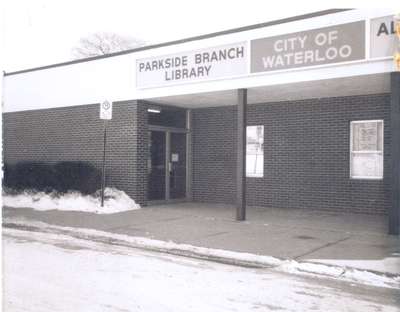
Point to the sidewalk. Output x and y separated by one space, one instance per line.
347 240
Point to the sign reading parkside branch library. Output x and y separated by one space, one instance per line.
328 45
205 64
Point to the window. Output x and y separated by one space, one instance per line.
366 149
255 151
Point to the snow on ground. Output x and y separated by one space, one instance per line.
390 264
53 272
225 256
115 201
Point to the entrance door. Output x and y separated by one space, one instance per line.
166 166
156 165
177 170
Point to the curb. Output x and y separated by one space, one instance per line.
248 260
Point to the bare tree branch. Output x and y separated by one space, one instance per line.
104 43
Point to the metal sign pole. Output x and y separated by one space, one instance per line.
103 179
105 114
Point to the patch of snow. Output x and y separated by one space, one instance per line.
114 201
369 278
295 267
389 264
347 274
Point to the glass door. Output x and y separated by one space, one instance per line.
166 166
156 166
177 166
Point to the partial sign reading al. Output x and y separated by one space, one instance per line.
383 37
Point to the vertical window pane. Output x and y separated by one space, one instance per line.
255 151
380 136
367 165
365 136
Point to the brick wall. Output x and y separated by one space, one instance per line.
306 150
214 154
76 134
306 155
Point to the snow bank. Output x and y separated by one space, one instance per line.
291 266
115 201
390 265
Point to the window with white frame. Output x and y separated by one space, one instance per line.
255 151
366 149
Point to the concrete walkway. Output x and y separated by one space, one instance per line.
352 240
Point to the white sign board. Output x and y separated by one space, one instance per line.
383 37
106 110
175 157
192 66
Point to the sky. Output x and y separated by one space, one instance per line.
42 32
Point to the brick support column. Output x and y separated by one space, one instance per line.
140 126
241 155
394 211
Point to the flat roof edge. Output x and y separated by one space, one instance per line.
180 41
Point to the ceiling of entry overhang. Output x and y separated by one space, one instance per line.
357 85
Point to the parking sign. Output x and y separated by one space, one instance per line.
106 110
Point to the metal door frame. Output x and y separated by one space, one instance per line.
168 131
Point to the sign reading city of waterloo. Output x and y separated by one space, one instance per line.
328 45
205 64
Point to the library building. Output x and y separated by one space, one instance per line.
298 113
